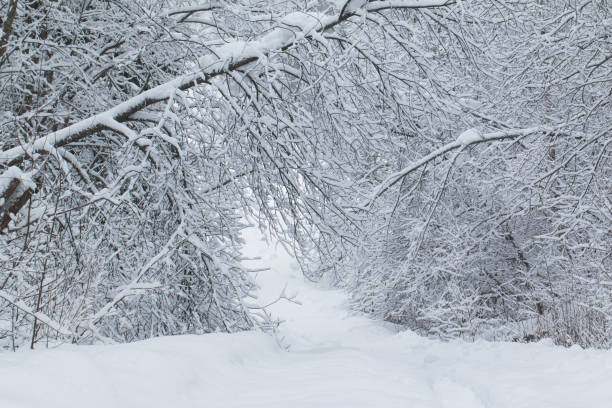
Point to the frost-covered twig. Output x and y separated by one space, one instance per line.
38 315
460 143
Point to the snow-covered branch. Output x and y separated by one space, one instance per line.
227 58
462 141
38 315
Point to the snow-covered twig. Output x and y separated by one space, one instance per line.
38 315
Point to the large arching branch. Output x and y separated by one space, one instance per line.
229 57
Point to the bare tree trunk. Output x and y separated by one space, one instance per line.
7 28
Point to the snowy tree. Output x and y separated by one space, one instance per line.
136 139
447 161
503 230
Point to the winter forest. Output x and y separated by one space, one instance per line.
446 164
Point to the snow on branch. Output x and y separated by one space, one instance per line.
38 315
226 58
135 286
211 5
16 188
465 139
413 4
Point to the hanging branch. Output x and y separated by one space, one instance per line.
229 57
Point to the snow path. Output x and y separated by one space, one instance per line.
335 359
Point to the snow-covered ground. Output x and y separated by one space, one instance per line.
328 357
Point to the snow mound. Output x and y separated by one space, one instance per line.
469 136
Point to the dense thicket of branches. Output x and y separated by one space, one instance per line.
509 238
126 236
135 134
